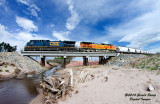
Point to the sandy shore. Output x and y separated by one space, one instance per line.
121 81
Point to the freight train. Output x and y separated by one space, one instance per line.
47 45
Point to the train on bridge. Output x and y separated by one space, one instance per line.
47 45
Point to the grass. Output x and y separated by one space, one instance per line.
148 67
154 68
0 70
7 70
143 66
158 72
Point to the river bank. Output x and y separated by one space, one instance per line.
15 91
108 85
14 65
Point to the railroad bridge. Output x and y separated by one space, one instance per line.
103 56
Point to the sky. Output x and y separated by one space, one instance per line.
129 23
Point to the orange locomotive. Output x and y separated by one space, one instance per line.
92 46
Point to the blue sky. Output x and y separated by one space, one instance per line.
130 23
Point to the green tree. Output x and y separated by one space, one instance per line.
6 47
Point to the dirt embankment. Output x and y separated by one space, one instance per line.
111 84
114 83
12 64
107 85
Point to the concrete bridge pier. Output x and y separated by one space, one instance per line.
42 60
85 60
64 61
101 59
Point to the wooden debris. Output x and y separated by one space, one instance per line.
76 92
106 79
54 88
71 77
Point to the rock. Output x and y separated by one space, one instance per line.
30 76
1 63
150 87
20 76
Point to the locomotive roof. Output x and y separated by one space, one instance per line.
69 41
59 40
87 42
39 40
105 44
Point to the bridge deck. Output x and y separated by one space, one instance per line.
62 53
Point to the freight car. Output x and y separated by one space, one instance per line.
90 46
47 45
129 50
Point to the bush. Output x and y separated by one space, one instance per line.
154 68
0 70
7 70
5 66
17 71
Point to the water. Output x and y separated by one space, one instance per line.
18 91
21 91
49 73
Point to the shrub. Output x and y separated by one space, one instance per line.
154 68
143 66
0 70
7 70
5 66
17 71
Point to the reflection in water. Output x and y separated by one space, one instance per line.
18 91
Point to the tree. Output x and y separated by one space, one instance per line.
6 47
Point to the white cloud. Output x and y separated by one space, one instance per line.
31 7
72 21
61 35
17 39
141 31
26 24
154 50
51 25
34 9
23 2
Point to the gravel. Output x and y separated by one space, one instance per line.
124 60
24 63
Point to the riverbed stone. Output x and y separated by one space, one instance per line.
30 76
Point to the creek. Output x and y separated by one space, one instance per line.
22 91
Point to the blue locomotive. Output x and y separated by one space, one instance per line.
47 45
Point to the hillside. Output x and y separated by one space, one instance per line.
12 63
150 62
